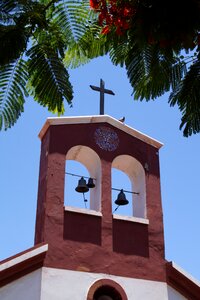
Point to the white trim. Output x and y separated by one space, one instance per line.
131 219
23 257
54 285
83 211
190 277
98 119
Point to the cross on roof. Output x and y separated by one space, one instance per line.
102 91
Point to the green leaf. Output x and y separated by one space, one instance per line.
13 41
49 80
78 24
13 78
72 17
152 71
187 96
119 53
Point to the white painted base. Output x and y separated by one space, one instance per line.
51 284
63 285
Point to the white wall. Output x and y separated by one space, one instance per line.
60 284
27 287
66 285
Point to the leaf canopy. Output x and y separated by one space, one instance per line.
42 39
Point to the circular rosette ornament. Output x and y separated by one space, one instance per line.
106 138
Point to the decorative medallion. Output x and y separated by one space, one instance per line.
106 138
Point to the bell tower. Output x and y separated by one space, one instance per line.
109 248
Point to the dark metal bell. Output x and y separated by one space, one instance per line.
121 199
90 183
82 186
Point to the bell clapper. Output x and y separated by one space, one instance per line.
116 208
85 200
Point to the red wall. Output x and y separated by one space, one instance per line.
98 244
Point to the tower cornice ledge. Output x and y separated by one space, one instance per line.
99 119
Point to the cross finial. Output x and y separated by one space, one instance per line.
102 91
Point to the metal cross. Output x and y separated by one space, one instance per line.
102 91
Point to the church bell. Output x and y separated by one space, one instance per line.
121 199
90 183
82 186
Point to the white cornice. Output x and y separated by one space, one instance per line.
99 119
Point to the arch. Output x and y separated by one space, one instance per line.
121 180
90 159
106 287
135 171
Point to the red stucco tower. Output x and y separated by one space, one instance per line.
97 240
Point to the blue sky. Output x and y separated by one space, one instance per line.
179 163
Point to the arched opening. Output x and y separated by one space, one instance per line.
106 289
82 161
135 171
120 180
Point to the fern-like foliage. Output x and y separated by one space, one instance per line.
49 80
6 16
82 34
13 78
86 48
59 34
72 17
119 53
152 72
187 96
13 38
54 35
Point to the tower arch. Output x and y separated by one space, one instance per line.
90 159
120 180
135 171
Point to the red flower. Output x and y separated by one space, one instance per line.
118 22
94 4
102 17
119 31
109 19
125 25
105 30
126 11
